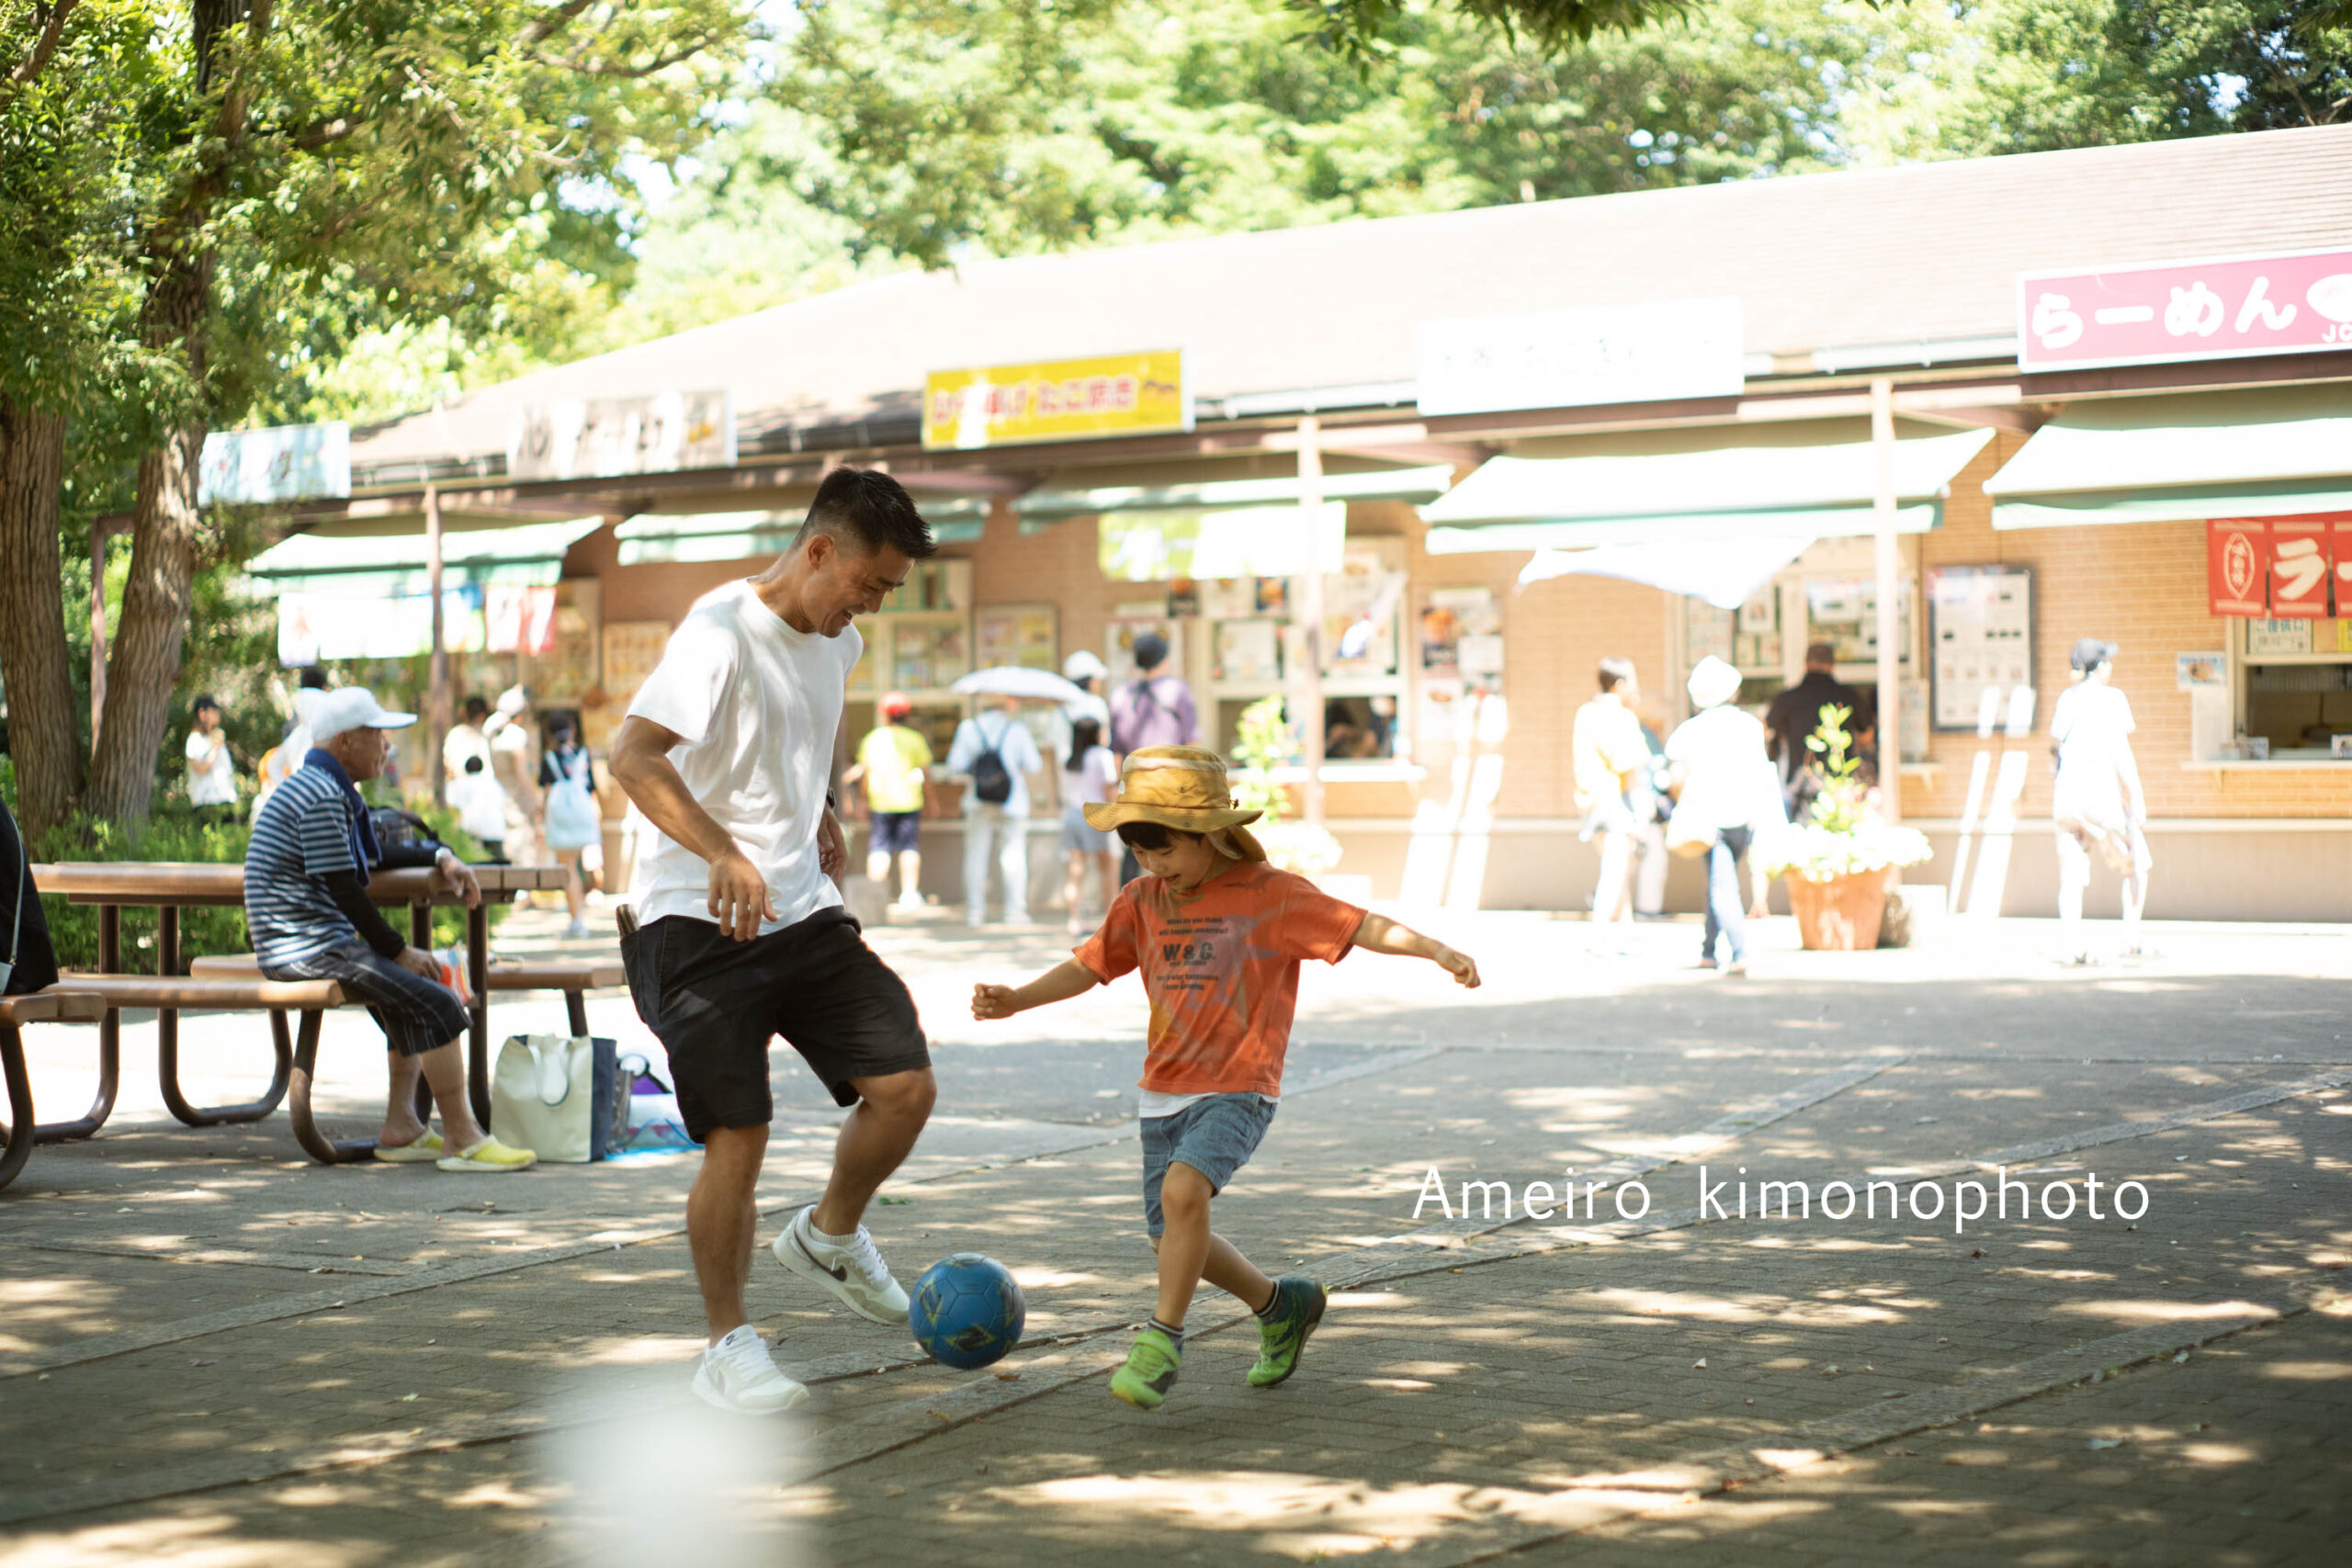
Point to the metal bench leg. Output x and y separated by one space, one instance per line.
167 1056
575 1009
477 1046
109 1043
315 1144
20 1104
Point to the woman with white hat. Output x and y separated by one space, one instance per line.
1725 784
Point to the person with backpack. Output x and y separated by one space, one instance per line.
569 816
1153 709
994 756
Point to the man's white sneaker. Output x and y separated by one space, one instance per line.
738 1374
849 1266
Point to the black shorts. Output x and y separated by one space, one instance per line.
714 1003
896 832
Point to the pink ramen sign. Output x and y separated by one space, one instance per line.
2296 303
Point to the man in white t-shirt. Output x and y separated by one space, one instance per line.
211 771
1723 781
1604 748
996 829
2097 802
740 934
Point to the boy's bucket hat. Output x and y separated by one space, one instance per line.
1181 787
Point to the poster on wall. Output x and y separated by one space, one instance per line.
2298 567
1129 622
1025 635
567 674
1453 613
1980 635
2236 582
632 649
1249 650
1707 631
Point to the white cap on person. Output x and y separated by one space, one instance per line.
352 707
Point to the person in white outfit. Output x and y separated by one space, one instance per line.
2096 803
1724 781
994 756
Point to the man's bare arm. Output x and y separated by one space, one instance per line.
641 761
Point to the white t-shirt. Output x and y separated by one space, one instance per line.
1008 738
481 805
757 706
211 777
1095 782
2090 725
1728 777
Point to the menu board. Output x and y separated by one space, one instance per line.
1017 634
1979 624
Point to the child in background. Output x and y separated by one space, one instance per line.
481 809
1219 935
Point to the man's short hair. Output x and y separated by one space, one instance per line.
1151 651
473 765
314 677
477 709
1615 672
868 509
204 700
1820 653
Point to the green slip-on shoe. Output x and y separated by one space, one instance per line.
1281 1338
1150 1371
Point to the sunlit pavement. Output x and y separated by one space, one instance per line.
212 1352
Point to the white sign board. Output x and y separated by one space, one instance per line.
596 437
295 462
1601 353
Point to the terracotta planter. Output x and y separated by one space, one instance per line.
1841 915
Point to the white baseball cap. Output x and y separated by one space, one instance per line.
352 707
1083 665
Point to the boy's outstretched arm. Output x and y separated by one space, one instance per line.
1065 980
1378 933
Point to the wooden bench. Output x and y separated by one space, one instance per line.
297 1057
57 1006
573 976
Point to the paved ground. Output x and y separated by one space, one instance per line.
213 1353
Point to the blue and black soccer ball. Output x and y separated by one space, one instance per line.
966 1311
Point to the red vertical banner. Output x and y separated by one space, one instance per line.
2340 553
2298 567
2237 554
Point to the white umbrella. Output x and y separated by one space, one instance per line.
1019 681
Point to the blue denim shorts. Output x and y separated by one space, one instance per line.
1216 1136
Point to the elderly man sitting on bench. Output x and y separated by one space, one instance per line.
308 911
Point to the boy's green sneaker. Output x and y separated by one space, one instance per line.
1298 1307
1150 1370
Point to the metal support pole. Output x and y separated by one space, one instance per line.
1308 679
437 701
1890 603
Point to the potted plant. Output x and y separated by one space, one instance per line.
1839 863
1265 743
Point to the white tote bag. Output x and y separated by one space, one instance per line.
543 1096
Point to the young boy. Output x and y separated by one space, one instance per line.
1219 935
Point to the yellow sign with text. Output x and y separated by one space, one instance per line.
1057 399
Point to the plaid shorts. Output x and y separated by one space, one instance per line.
416 1014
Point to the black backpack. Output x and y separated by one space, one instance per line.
991 780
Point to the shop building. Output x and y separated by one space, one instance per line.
1654 395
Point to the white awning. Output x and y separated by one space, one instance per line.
1759 484
1050 503
2186 458
391 565
1726 574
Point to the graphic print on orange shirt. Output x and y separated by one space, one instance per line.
1221 969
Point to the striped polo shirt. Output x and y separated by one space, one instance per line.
303 834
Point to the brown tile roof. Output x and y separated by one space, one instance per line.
1919 252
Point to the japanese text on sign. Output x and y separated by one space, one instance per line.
2278 567
1123 394
2294 303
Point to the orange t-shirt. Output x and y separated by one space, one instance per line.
1221 968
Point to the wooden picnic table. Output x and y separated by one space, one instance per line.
169 887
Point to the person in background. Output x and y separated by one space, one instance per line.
512 743
480 805
308 908
1152 709
1606 750
1796 714
1085 671
279 763
466 740
890 763
1724 780
211 771
2098 803
993 754
1090 777
568 813
1651 800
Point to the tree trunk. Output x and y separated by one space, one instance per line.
166 525
41 735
